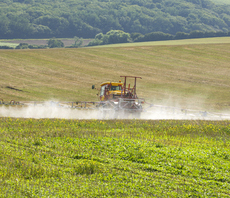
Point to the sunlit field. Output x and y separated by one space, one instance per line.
117 158
185 75
114 158
227 2
8 44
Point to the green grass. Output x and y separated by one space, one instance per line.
215 40
114 158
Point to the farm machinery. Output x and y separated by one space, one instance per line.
116 100
119 99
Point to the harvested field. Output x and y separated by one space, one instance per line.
185 75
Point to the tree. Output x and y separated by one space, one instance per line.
99 36
4 25
56 24
22 46
67 18
181 35
19 26
135 35
118 36
196 34
78 42
55 43
155 36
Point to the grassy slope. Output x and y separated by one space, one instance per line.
71 158
221 2
189 74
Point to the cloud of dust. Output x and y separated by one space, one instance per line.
187 109
47 110
156 112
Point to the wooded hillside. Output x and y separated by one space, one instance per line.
86 18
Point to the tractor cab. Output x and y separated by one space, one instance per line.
110 90
116 90
119 99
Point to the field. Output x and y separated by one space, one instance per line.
186 73
117 158
114 158
9 44
15 42
227 2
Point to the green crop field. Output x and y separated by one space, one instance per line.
114 158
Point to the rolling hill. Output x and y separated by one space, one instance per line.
120 157
191 75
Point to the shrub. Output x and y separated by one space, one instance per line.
6 47
55 43
22 46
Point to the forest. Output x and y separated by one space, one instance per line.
87 18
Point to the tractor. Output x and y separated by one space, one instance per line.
119 100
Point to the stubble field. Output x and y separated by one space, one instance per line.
188 75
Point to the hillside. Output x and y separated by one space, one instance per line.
221 2
69 18
190 75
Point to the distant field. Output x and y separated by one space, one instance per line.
69 42
214 40
15 42
8 44
181 74
221 1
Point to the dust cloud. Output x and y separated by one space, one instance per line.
38 112
157 112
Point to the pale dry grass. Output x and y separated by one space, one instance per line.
183 75
222 2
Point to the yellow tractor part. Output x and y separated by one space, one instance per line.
110 90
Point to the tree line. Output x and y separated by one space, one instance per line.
87 18
118 36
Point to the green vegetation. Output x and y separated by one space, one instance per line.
203 41
114 158
55 43
69 18
111 37
118 36
10 45
78 42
